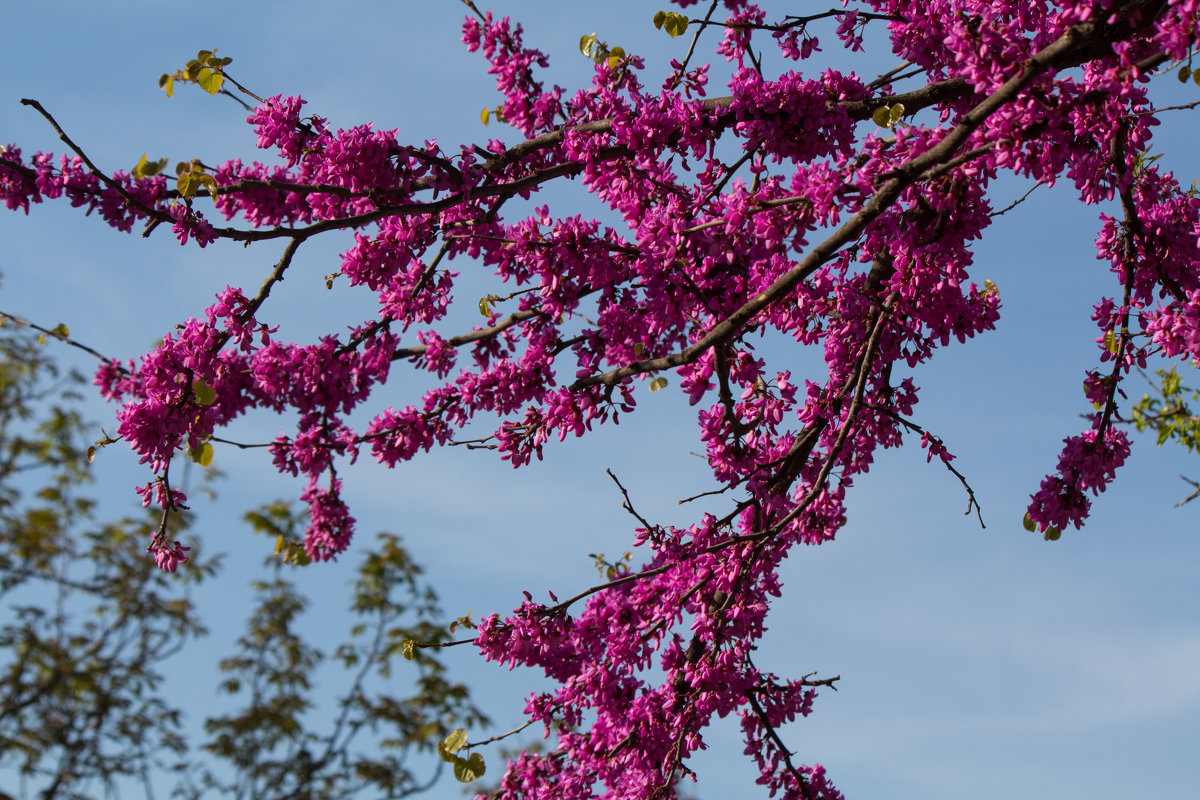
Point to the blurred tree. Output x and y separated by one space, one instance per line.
91 624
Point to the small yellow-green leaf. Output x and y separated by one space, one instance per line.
204 393
1028 523
895 114
483 307
469 769
638 349
989 286
278 544
208 182
483 115
60 331
1052 534
209 80
455 741
187 184
586 44
676 24
1185 72
1196 77
1110 342
203 56
659 18
206 455
193 69
408 649
658 384
615 56
881 116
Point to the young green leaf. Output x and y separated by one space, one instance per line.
455 741
204 393
469 769
587 44
209 80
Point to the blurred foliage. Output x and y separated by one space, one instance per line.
1168 413
91 628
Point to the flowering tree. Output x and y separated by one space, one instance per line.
834 210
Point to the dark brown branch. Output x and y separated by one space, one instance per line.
1016 202
1191 496
498 737
57 335
627 504
972 502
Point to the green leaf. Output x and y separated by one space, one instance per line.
469 769
1052 534
881 116
587 44
187 184
1028 524
206 455
895 114
676 24
1110 342
408 649
1185 72
615 56
455 741
208 182
204 393
659 18
146 169
658 384
483 115
639 349
210 81
1196 77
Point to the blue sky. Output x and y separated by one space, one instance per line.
974 662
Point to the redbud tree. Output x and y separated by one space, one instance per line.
832 210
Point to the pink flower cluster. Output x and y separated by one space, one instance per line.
786 209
